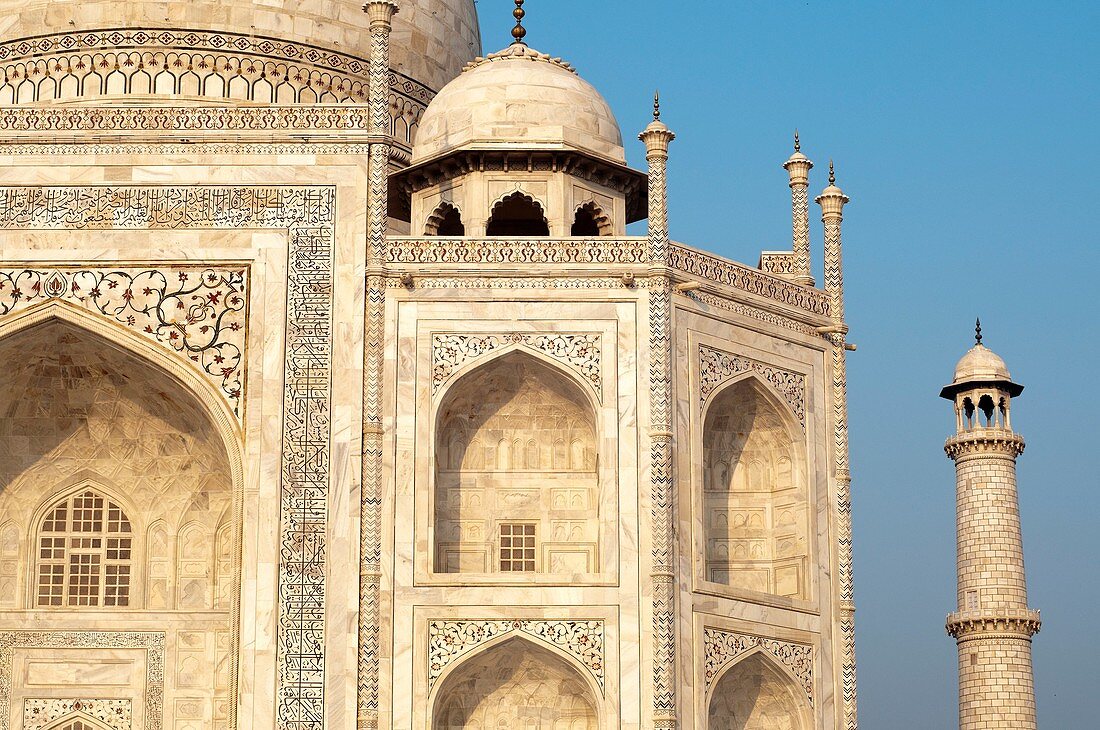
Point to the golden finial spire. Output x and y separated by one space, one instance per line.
657 105
797 144
832 173
519 32
978 332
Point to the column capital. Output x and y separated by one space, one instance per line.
380 12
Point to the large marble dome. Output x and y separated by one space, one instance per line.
263 51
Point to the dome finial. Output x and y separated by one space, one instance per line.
657 105
832 173
978 332
797 143
519 32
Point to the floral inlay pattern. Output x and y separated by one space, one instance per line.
451 640
196 311
580 352
717 367
39 714
724 647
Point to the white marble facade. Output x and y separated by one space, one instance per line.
283 449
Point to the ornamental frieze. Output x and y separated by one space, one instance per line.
41 714
197 312
580 352
449 641
721 648
717 367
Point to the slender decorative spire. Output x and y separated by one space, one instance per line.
797 143
657 105
832 173
978 332
519 32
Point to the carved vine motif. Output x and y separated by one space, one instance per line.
115 714
449 641
195 311
580 352
747 279
151 642
541 251
781 263
723 647
308 215
717 367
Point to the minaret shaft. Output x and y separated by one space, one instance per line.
992 624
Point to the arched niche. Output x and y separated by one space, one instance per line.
516 486
517 214
77 721
755 497
516 684
88 404
757 694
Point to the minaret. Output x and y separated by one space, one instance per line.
798 167
993 624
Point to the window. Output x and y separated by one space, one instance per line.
84 550
517 215
517 548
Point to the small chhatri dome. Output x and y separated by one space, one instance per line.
980 365
519 98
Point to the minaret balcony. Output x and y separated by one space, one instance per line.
979 440
1022 622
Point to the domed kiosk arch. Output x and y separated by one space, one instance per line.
757 692
753 498
516 681
516 469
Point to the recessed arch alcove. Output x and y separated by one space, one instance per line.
755 497
757 693
516 471
516 684
123 465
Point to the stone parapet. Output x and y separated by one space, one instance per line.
987 623
985 440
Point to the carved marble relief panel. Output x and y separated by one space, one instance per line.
212 303
722 647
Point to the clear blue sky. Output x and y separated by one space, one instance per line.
966 135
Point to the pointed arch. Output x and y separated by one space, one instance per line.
518 214
446 221
757 692
590 220
755 491
512 677
491 481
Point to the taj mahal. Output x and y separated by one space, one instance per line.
336 396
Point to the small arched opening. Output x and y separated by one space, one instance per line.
517 215
985 405
590 221
446 221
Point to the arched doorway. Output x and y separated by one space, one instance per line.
516 487
123 478
515 685
755 694
755 498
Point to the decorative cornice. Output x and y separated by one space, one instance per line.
738 276
618 177
985 441
524 251
994 623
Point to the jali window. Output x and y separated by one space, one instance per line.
517 548
85 547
